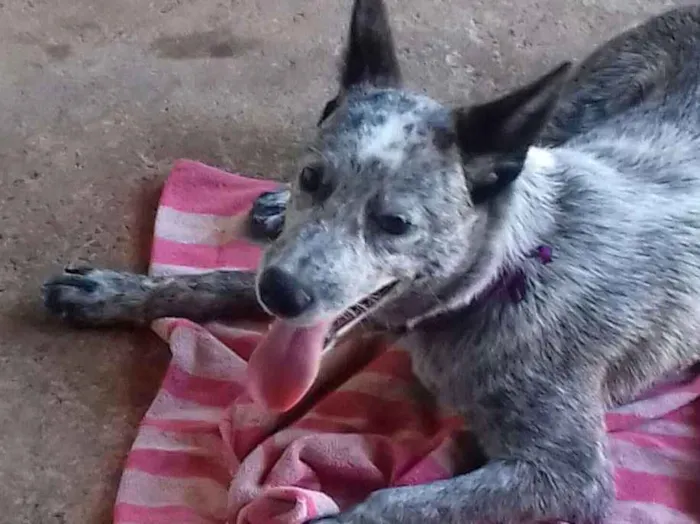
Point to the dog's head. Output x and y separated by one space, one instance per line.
395 186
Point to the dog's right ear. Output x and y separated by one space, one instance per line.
499 133
370 57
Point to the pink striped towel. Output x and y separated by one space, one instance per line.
206 453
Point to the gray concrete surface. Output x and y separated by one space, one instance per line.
98 97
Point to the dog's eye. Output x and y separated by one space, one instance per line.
310 179
393 224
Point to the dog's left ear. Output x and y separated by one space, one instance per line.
370 57
493 138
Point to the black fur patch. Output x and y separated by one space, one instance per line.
505 128
370 57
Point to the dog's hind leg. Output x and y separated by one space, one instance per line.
267 215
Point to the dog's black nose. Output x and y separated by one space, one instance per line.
282 294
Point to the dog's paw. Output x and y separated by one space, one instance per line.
267 214
91 297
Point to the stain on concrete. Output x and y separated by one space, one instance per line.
206 44
58 52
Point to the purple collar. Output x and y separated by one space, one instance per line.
512 286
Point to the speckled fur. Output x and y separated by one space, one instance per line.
611 182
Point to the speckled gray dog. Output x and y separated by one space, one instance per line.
539 254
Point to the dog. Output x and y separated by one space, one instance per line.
538 255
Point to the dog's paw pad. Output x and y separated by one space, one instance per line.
86 296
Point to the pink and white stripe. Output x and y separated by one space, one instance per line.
205 453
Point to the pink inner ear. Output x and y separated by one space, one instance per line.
285 364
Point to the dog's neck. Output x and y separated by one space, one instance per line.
517 225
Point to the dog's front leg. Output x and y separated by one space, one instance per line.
101 297
546 463
502 492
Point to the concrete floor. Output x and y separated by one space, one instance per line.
97 98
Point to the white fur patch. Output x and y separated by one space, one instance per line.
386 142
526 212
539 160
527 209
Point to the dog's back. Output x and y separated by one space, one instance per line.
639 67
636 147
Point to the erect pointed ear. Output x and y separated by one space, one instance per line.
370 57
497 135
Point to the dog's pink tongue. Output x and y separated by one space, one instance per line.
284 365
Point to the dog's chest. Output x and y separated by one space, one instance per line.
445 374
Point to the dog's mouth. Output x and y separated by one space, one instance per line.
358 312
285 364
